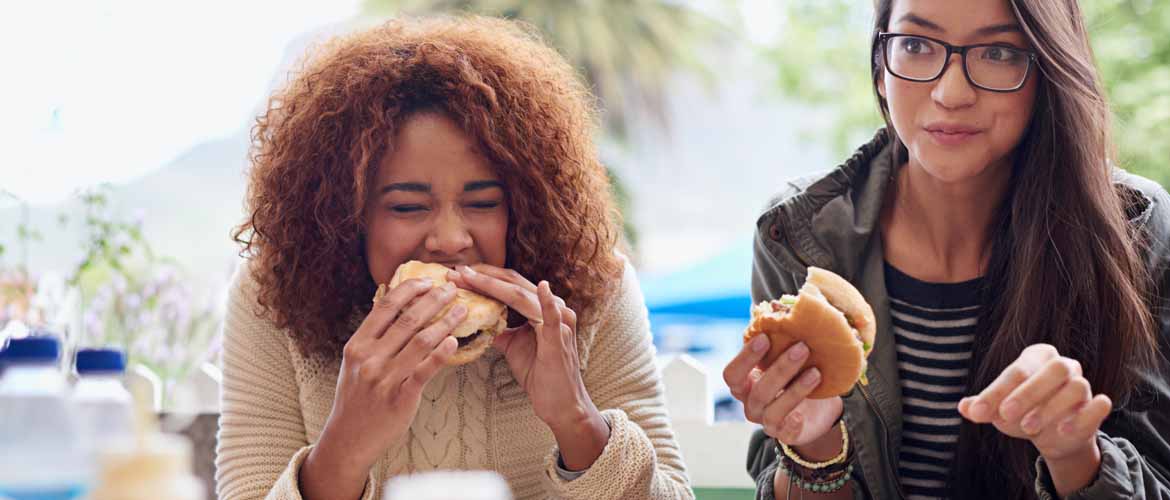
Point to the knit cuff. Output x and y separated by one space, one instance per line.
627 463
288 485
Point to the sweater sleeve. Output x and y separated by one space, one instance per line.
261 442
641 459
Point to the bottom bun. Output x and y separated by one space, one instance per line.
473 350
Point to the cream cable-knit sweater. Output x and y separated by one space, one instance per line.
275 403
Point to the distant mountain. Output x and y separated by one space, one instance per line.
188 208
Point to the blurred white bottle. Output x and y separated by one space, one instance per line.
102 403
42 452
150 465
448 485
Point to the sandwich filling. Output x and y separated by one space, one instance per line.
465 341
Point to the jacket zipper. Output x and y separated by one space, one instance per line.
886 438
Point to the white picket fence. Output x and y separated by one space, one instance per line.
715 452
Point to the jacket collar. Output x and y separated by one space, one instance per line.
831 222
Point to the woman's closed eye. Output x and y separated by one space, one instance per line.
484 205
408 208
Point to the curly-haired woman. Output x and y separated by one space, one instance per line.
466 142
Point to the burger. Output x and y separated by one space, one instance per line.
832 318
485 318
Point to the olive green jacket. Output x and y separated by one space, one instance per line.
831 221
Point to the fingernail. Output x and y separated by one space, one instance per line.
449 286
1010 410
980 410
459 309
427 281
1030 423
798 352
811 377
791 428
452 274
466 270
760 343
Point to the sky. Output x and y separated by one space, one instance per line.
107 90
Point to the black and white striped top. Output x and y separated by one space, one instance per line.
934 327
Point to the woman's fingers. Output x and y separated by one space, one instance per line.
422 343
486 279
1088 419
985 407
416 317
509 275
388 305
779 417
776 378
1038 388
520 298
1066 401
737 372
411 388
549 338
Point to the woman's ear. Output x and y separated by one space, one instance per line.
881 83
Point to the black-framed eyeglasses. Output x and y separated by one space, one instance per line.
994 67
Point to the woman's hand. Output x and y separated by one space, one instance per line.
384 366
542 355
776 399
1044 398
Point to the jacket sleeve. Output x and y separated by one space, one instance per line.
642 458
1135 439
261 442
770 280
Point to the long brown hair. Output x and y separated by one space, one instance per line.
315 151
1066 267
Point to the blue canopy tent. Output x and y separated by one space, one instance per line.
716 290
702 311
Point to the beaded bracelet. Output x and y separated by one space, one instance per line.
817 477
817 486
840 458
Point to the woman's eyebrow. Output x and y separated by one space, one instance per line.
993 29
913 18
413 187
996 29
481 185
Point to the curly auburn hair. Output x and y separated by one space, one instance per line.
315 153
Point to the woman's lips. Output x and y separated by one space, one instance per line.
945 135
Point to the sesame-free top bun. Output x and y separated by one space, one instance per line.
842 295
485 318
815 317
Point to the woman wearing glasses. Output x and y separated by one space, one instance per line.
1019 279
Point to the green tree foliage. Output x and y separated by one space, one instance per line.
626 49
